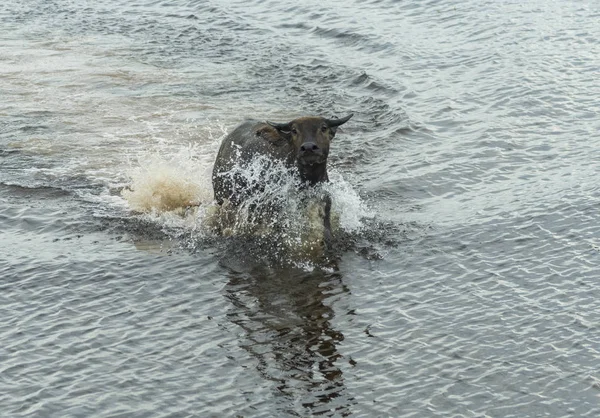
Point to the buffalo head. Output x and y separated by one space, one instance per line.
310 138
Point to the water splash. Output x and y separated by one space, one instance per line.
169 183
169 189
278 220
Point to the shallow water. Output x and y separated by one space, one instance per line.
468 283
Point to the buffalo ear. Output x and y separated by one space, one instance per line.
334 123
283 128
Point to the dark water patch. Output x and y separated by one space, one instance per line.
8 153
30 124
295 25
346 37
134 229
368 83
31 129
41 193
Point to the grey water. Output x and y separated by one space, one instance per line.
468 179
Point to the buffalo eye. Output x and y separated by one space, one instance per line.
294 131
323 128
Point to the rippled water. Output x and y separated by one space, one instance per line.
470 285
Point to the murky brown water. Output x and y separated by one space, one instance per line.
466 188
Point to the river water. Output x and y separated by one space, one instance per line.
466 186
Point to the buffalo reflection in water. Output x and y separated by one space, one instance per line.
287 322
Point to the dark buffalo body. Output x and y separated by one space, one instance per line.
302 143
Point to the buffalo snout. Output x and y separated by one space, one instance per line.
309 147
310 153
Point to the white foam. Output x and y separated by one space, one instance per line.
346 203
164 183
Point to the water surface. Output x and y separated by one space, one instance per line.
469 285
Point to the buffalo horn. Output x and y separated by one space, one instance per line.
280 126
332 123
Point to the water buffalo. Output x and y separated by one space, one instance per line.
302 144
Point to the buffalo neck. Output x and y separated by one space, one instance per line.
314 173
